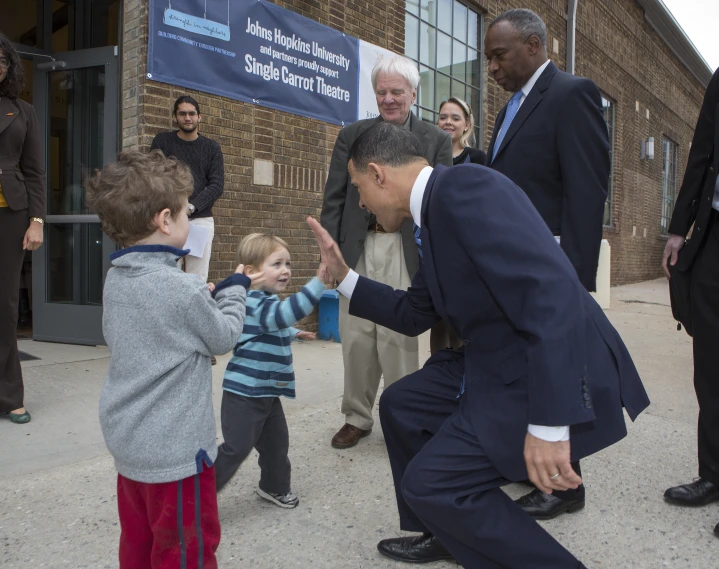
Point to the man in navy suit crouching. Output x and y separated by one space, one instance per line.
539 357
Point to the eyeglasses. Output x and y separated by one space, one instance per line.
4 63
183 114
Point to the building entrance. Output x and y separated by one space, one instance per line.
70 58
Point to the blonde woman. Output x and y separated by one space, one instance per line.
456 119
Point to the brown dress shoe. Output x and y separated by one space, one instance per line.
348 436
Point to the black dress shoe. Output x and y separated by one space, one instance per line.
716 530
414 549
698 493
543 506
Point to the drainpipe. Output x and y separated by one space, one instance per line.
571 33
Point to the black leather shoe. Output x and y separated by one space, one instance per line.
414 549
543 506
697 493
716 530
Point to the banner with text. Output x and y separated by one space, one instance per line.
258 52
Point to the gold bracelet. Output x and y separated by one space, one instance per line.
38 219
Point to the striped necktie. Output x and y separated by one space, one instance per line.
418 239
512 108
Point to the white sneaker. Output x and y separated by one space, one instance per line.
289 500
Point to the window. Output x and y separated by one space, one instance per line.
608 112
669 181
443 38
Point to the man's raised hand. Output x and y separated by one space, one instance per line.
332 261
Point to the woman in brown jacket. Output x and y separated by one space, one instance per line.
22 214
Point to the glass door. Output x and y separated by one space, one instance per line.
76 100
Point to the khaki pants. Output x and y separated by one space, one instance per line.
370 351
200 265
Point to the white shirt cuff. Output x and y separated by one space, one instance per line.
549 434
347 286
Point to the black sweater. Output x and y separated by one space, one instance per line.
475 156
204 157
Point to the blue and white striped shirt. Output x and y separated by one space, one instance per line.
261 364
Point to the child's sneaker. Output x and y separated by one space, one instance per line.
289 500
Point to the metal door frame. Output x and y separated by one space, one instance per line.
73 323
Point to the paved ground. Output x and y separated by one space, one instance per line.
57 493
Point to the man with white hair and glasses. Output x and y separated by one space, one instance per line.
370 351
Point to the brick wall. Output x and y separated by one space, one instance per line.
615 47
298 148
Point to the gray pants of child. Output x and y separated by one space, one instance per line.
259 423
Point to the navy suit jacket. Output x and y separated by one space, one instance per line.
537 347
694 202
557 151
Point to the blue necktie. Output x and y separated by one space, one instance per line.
418 239
512 108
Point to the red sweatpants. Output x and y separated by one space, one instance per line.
173 525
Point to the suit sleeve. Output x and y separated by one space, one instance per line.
532 283
444 152
583 146
333 202
32 167
409 312
699 160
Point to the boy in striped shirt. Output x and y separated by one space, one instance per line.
260 370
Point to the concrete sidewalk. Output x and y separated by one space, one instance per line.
57 483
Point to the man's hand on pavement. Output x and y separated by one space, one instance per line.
333 265
671 249
546 459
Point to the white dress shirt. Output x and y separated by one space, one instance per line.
532 80
347 287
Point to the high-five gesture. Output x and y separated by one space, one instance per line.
332 259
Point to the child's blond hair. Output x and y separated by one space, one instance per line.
256 247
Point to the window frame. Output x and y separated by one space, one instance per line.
611 132
431 114
668 201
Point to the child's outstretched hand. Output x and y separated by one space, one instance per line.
303 335
256 278
324 275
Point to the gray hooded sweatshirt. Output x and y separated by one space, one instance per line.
162 327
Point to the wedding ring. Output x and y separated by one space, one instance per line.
557 475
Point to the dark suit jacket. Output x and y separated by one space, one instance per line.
341 214
557 151
537 347
694 202
22 171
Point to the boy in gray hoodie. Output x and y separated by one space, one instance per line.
162 326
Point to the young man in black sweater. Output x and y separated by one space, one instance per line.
204 157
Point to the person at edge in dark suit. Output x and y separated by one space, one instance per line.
538 350
551 140
370 352
457 120
22 215
698 204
